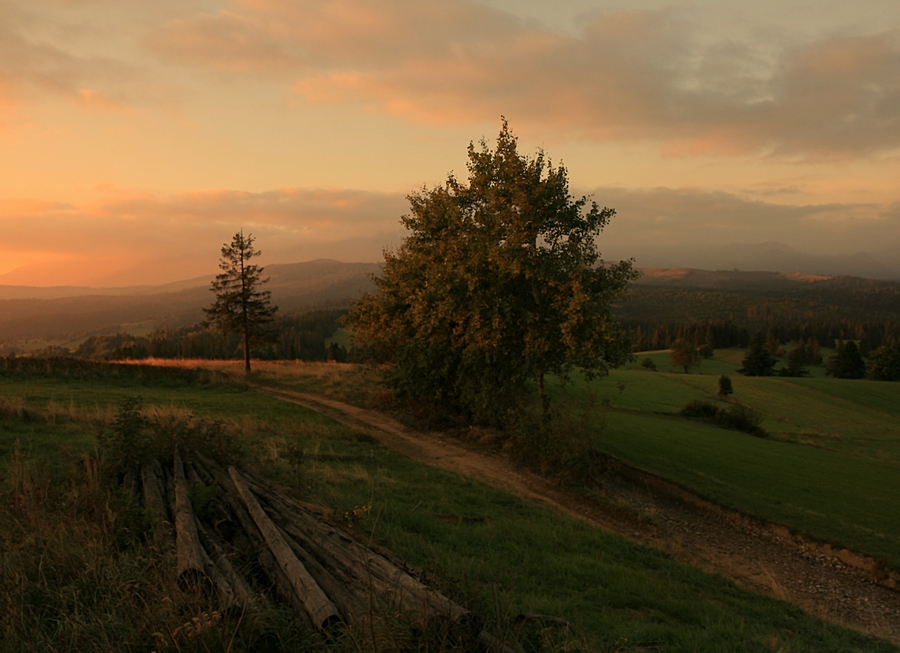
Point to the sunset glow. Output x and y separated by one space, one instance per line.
136 138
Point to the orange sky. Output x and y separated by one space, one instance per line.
136 137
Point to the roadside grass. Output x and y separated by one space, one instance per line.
77 574
829 470
827 495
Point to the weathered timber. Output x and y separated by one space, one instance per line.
429 610
542 619
152 484
240 590
190 565
279 582
337 548
348 594
232 593
219 516
320 609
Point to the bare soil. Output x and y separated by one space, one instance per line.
834 584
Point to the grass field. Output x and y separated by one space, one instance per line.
73 581
830 469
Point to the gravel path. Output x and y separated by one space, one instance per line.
833 584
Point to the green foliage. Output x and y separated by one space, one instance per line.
648 364
758 361
240 306
884 364
736 417
685 354
498 285
139 436
725 386
846 363
70 585
557 444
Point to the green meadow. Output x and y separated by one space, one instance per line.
76 578
830 468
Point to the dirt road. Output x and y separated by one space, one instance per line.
833 584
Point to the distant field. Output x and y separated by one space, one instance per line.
511 557
830 470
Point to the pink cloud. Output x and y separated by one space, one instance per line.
175 236
635 75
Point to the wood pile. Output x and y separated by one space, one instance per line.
311 564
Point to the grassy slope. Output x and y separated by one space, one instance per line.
830 470
519 558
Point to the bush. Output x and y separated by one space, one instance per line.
140 435
736 417
725 387
700 410
648 364
558 445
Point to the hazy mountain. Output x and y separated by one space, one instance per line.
772 257
68 313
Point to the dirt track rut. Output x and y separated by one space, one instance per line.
833 584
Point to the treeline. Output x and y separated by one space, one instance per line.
719 334
299 337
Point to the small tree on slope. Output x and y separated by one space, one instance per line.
240 306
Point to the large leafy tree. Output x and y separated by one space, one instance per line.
240 306
498 284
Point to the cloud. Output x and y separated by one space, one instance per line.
629 75
44 55
694 219
137 237
156 238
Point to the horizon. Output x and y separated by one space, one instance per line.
138 138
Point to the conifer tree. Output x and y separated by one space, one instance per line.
240 306
757 361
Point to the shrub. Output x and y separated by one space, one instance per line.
725 387
648 364
736 417
699 410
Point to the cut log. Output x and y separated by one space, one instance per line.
380 580
322 611
542 619
155 503
345 591
279 582
239 587
189 554
219 517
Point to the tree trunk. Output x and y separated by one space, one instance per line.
246 350
545 402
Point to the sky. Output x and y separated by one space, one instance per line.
137 137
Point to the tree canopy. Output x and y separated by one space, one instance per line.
884 364
498 284
846 362
240 306
757 361
685 354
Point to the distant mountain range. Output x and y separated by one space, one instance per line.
32 317
773 257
